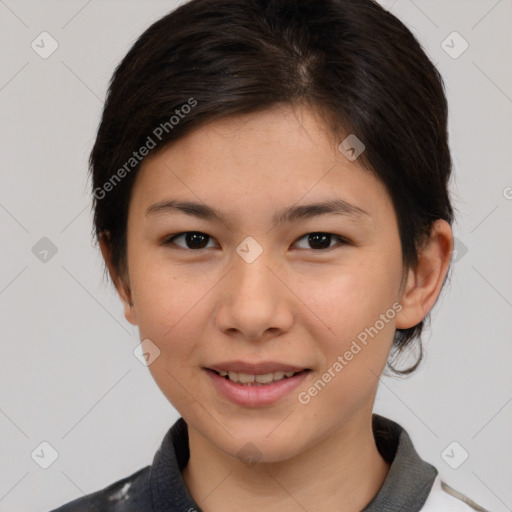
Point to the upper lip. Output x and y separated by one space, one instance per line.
259 368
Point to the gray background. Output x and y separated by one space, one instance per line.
68 375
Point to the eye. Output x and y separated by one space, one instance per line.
197 240
321 241
193 239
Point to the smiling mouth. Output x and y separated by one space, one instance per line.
247 379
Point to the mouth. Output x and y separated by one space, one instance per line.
256 389
247 379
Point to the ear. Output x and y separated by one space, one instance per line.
122 285
424 283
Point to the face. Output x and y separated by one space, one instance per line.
303 290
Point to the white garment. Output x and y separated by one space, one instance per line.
440 500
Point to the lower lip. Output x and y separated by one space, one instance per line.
256 395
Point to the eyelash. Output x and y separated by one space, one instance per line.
170 240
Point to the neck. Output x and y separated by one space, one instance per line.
343 472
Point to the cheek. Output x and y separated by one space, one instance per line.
356 310
169 304
347 300
161 290
354 338
171 312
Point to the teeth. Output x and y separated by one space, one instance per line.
245 378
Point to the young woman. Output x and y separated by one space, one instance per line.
270 182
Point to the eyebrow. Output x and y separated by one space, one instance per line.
287 215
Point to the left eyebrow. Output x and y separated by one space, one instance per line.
332 207
287 215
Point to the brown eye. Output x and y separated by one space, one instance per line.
321 241
193 240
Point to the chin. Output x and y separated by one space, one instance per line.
259 449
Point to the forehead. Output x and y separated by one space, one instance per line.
268 159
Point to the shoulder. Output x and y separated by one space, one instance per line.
129 494
443 498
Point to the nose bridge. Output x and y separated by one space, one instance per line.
254 299
254 278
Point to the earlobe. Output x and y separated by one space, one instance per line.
425 281
129 310
122 288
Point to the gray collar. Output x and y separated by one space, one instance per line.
406 487
410 478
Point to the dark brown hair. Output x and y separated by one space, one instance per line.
351 60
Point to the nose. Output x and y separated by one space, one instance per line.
255 302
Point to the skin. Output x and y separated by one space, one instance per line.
295 303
